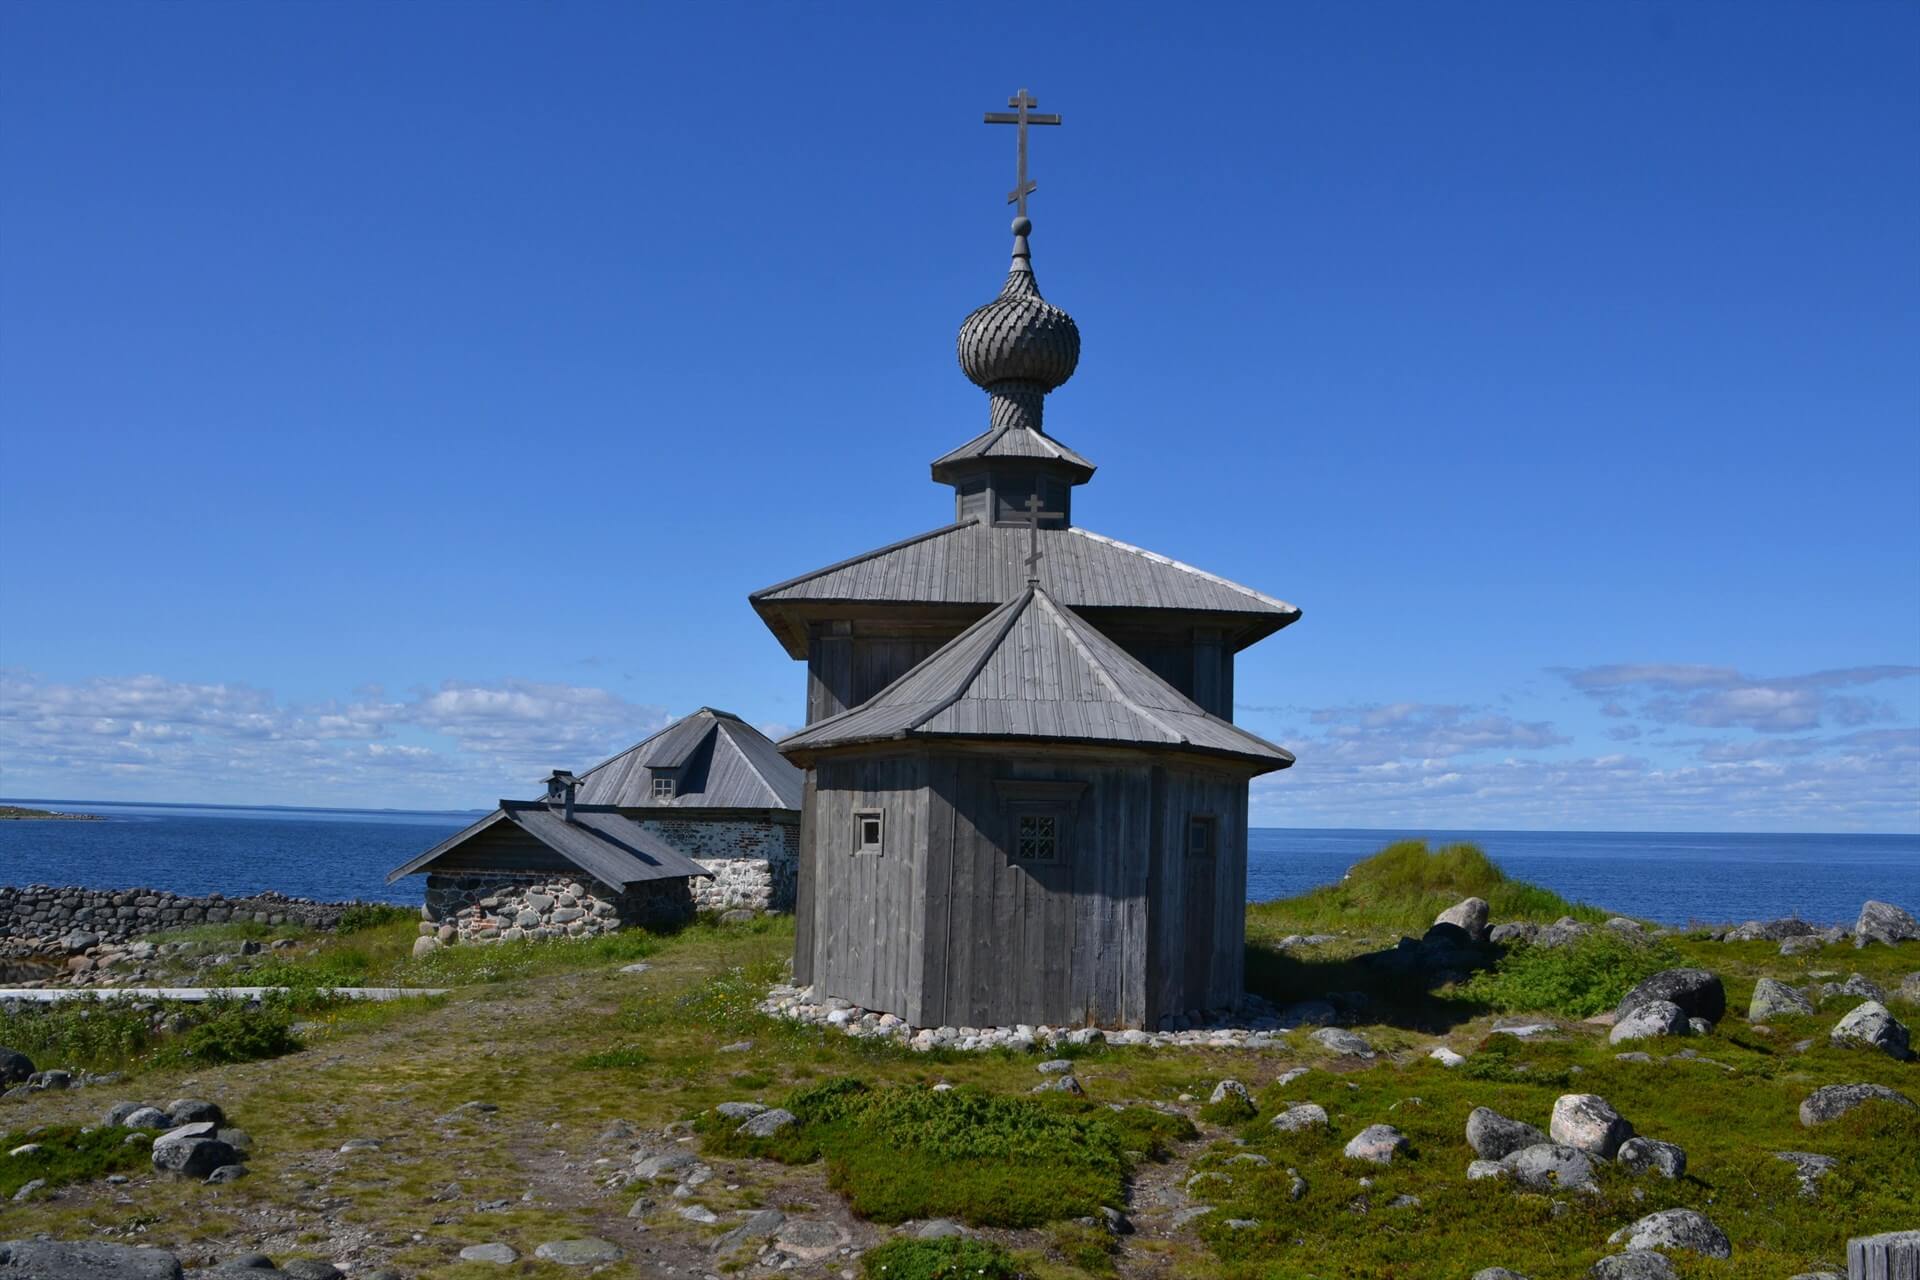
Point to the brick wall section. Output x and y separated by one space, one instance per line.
37 917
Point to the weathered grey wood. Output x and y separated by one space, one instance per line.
1894 1255
804 893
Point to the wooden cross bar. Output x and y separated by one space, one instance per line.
1022 118
1034 516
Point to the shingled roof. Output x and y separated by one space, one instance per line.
1035 670
980 564
606 844
1012 441
721 762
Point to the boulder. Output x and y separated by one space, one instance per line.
1306 1115
1641 1264
1230 1090
1870 1026
1469 914
770 1122
1698 993
1494 1137
1835 1100
1376 1144
1675 1229
759 1225
1809 1168
739 1110
14 1067
1770 930
1909 989
310 1269
1497 1273
228 1173
1645 1155
194 1111
1446 1057
1550 1166
117 1113
590 1251
1773 999
1654 1018
1512 932
1586 1121
1884 922
1857 987
500 1254
91 1260
192 1157
1345 1042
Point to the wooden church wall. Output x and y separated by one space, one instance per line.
865 907
1198 910
1008 941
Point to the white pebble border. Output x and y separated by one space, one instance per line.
1256 1025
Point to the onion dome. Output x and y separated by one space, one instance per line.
1019 346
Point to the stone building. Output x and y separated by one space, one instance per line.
703 815
1025 799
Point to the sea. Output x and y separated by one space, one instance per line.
1672 877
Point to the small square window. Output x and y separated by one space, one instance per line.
869 830
1200 836
1039 837
662 788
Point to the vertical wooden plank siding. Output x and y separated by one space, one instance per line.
805 873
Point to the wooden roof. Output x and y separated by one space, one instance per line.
1013 441
603 842
1035 670
980 564
721 762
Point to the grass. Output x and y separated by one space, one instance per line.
952 1258
67 1154
130 1036
1582 978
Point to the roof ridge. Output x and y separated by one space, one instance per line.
751 766
1156 557
1062 615
865 555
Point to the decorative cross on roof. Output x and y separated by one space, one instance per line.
1022 118
1035 515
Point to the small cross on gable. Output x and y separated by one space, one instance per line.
1035 514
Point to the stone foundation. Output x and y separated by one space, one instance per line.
505 906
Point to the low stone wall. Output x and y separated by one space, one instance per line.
42 918
504 906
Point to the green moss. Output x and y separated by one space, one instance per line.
950 1258
1229 1111
1577 980
67 1154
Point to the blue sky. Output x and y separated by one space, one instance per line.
400 400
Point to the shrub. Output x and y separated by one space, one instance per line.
1229 1111
105 1035
950 1258
1584 977
238 1033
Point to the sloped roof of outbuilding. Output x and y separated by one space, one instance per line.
1035 670
722 762
600 840
975 563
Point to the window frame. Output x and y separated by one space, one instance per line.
1209 823
861 847
662 779
1056 800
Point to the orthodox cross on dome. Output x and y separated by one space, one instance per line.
1022 117
1035 515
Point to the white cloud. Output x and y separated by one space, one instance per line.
1723 698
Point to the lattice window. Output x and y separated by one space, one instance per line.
663 787
1038 838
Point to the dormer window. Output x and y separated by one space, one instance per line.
663 786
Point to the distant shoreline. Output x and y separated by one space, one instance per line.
15 813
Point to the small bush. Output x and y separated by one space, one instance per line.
1229 1111
238 1033
1585 977
371 915
92 1036
950 1258
1151 1131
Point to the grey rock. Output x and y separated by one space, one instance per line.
195 1111
665 1165
1871 1026
228 1173
1481 1169
1116 1222
638 967
29 1189
1288 1076
91 1260
738 1046
310 1269
1641 1264
117 1114
1446 1057
758 1226
1774 999
1550 1166
1060 1084
766 1123
148 1118
1909 992
1469 914
1699 994
198 1129
1512 932
1645 1155
1305 1115
1858 986
1675 1229
739 1110
249 1262
1645 1021
496 1252
1809 1168
1770 930
192 1157
1342 1041
1804 945
588 1251
1586 1121
14 1067
1884 922
1835 1100
1497 1273
939 1229
1376 1144
1230 1089
1494 1136
1055 1067
809 1239
239 1139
